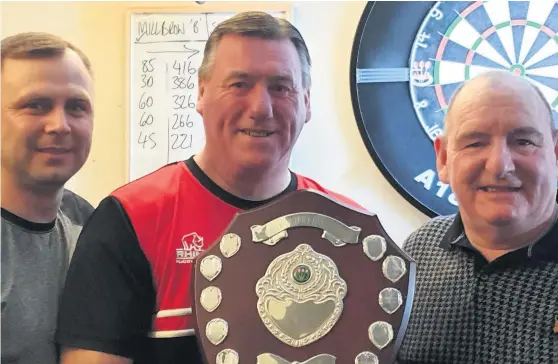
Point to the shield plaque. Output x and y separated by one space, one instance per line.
305 279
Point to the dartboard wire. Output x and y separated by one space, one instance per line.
547 71
459 32
458 68
549 93
470 70
504 32
484 35
537 15
500 16
487 52
433 13
547 50
473 51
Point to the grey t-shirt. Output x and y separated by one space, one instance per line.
35 259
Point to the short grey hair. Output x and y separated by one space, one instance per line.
490 75
259 25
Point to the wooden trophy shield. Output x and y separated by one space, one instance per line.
305 279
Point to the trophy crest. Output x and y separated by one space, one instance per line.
305 279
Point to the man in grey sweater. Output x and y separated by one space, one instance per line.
47 122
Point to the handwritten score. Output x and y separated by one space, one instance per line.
166 53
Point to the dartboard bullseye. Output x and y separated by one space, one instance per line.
409 58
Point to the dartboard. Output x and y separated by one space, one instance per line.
409 58
458 41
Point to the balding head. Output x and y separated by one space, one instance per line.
495 84
500 157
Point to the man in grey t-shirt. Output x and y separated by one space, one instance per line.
47 123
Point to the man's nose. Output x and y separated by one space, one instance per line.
260 103
500 159
57 121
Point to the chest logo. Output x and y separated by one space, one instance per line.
192 246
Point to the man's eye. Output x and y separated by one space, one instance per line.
524 142
77 106
38 106
280 88
239 85
474 145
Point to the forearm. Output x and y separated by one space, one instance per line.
81 356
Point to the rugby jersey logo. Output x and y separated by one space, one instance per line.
192 246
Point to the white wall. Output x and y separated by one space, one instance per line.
331 137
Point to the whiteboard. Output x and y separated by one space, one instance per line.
165 53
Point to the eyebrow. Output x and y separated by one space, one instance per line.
237 74
526 130
245 75
34 95
474 135
282 77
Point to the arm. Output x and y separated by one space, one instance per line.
108 301
71 355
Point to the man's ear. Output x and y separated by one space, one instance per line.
201 90
307 105
440 147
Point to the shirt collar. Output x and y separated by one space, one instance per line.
455 233
545 249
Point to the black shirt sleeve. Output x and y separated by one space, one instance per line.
109 298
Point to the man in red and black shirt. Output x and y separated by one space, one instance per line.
127 292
